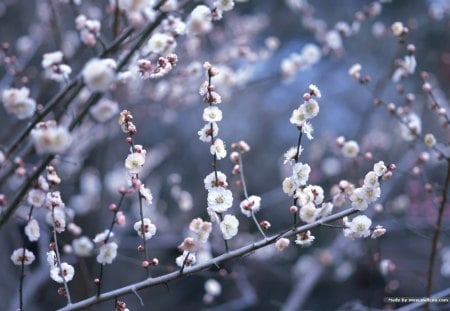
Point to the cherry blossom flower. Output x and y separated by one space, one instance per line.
308 213
201 228
301 173
186 259
18 102
161 43
359 227
289 186
350 149
358 199
429 140
54 67
219 199
229 226
32 230
304 239
50 138
101 237
107 253
218 149
104 110
134 162
36 197
199 21
82 246
67 273
212 114
205 133
213 287
410 127
149 228
282 244
211 182
146 194
99 74
18 257
398 29
250 205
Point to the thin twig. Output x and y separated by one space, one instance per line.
244 187
436 234
58 258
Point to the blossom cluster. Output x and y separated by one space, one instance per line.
220 199
310 198
200 230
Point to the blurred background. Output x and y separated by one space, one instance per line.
249 46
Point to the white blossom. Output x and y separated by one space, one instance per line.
311 193
229 226
51 138
146 194
429 140
36 197
410 127
355 71
212 114
298 117
201 228
213 287
289 186
18 102
219 199
149 228
134 162
107 253
358 199
82 246
161 43
99 74
218 149
282 243
304 239
398 28
187 259
199 21
350 149
290 154
101 237
379 168
314 90
67 273
311 108
205 133
377 232
18 257
308 213
32 230
359 227
104 110
301 173
210 180
250 205
52 260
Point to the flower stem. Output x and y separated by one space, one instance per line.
296 157
113 222
58 259
436 234
22 266
244 187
